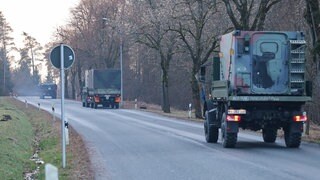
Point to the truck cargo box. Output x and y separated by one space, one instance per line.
103 79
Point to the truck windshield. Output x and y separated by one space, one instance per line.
269 70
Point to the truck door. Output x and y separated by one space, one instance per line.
269 66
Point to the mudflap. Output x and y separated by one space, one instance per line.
232 127
212 111
296 127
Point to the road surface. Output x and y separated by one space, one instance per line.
136 145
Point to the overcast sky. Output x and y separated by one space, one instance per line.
38 18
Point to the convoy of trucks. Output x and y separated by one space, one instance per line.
102 88
258 83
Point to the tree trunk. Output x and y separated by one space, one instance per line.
73 86
32 61
312 16
196 96
79 71
165 91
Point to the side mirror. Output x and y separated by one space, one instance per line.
202 77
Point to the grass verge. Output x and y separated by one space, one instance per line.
30 131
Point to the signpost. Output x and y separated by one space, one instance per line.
62 55
68 56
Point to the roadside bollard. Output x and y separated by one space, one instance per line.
66 125
190 110
51 172
135 104
53 114
39 106
26 102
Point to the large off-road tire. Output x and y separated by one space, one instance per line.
229 140
269 135
211 133
291 139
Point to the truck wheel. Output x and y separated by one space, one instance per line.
229 140
117 106
83 104
292 140
95 106
91 105
269 135
211 133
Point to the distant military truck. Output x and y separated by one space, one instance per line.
102 88
48 90
259 83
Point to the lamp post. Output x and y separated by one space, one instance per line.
121 72
121 65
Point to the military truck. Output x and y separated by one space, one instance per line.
102 88
48 90
258 83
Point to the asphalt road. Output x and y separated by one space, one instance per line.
131 144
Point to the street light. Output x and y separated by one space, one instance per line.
121 68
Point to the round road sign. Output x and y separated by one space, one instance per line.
68 55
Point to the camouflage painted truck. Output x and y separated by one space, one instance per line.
259 83
102 88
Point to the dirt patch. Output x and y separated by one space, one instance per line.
80 162
6 117
175 113
314 134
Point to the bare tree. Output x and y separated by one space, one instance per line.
94 40
312 16
155 34
32 48
286 16
248 14
200 40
